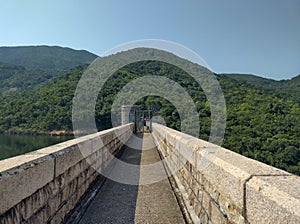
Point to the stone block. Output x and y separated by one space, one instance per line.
216 216
203 217
200 195
65 208
67 158
29 206
273 199
107 138
74 171
12 216
206 200
22 181
197 208
86 147
96 144
230 209
42 216
93 157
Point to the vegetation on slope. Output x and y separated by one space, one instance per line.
15 78
261 123
45 57
286 89
29 67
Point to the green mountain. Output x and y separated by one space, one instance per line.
24 68
262 122
45 57
289 88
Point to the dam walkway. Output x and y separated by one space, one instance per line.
122 203
65 183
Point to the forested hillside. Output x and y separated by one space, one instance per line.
15 77
262 123
28 67
286 89
45 57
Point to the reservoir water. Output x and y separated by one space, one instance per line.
13 145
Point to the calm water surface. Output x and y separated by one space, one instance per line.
13 145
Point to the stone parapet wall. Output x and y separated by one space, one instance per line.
43 186
220 186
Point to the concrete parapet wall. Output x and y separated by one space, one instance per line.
220 186
43 186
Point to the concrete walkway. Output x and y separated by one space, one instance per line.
122 203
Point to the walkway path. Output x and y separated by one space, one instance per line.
121 203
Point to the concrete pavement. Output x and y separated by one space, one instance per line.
122 203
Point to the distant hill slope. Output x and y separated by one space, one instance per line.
28 67
45 57
15 77
289 88
255 79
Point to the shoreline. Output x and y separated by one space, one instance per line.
50 133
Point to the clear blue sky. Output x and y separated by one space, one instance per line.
260 37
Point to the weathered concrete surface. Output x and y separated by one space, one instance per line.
17 184
224 187
273 199
156 203
44 185
123 203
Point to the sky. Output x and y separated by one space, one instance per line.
260 37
